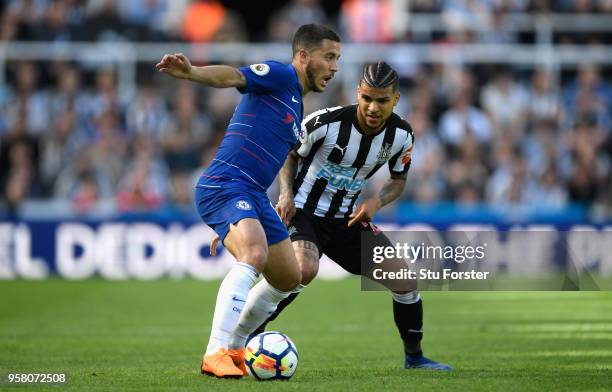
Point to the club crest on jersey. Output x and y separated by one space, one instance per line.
260 69
243 205
383 154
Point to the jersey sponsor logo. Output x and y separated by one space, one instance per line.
407 156
260 69
383 154
340 177
243 205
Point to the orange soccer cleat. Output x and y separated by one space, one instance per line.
237 356
220 364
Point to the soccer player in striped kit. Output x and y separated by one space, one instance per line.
339 150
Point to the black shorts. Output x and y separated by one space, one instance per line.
335 239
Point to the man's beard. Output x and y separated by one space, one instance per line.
312 85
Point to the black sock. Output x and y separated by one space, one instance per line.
416 355
281 305
409 321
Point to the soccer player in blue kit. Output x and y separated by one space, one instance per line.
231 194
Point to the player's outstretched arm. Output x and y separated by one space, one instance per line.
286 203
179 66
392 189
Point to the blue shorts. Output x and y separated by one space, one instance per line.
221 207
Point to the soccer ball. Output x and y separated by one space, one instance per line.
271 356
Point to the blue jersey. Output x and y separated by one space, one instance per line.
264 128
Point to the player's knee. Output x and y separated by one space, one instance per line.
291 280
411 285
256 256
296 280
402 287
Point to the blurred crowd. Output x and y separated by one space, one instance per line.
484 134
373 21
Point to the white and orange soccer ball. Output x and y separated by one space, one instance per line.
271 356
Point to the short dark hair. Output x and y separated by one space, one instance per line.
309 36
380 75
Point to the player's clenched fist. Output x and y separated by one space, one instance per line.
177 65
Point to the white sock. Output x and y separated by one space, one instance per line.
261 303
299 288
408 298
231 298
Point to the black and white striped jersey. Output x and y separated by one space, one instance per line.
337 159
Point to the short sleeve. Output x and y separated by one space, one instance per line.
267 77
400 162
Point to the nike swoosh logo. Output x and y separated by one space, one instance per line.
294 100
237 299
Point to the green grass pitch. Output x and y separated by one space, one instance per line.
148 336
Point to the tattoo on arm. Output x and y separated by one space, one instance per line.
392 189
287 174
